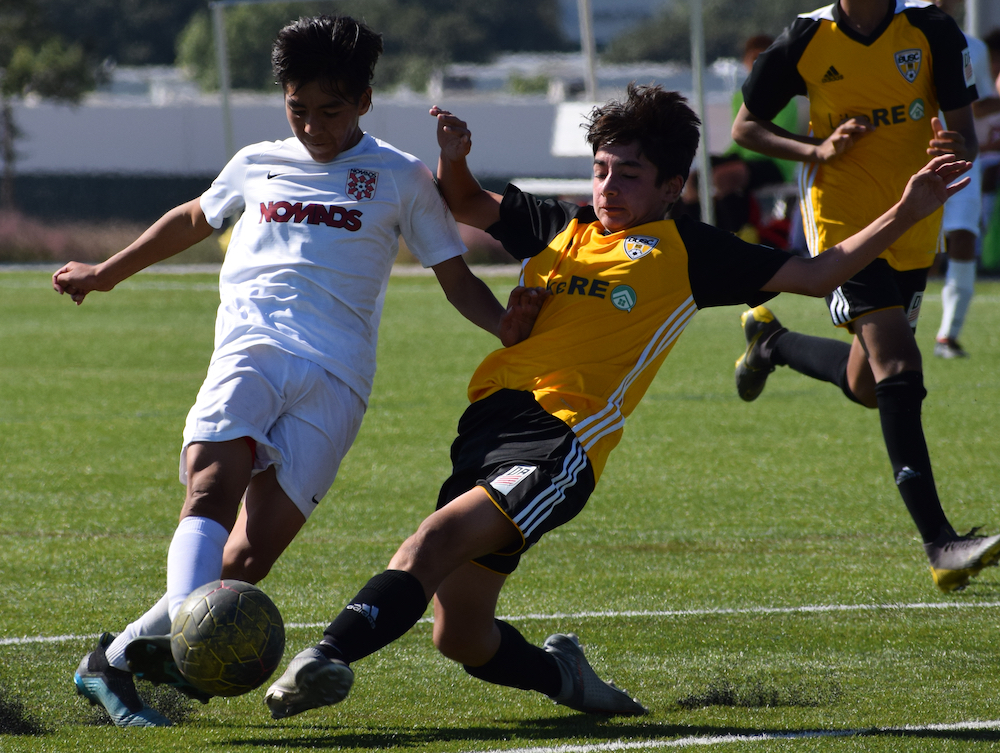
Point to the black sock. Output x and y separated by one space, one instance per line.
821 358
899 398
388 606
518 664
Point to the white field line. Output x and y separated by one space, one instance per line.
612 614
704 741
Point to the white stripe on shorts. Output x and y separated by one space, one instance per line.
542 505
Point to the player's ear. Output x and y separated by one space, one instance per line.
365 103
672 188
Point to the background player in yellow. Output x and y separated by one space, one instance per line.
623 282
875 72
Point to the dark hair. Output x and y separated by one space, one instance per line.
757 43
661 122
333 49
993 40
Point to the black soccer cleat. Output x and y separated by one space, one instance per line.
150 658
752 368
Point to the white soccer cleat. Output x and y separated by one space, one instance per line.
310 682
957 559
582 689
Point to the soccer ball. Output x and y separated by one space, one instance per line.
228 638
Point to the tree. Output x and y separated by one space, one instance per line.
418 36
129 32
32 61
727 26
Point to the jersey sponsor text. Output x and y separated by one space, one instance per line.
313 214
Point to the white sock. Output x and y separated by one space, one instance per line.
956 297
194 559
155 622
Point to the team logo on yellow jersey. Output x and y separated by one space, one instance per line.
908 63
623 297
637 246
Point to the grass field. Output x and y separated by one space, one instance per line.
748 571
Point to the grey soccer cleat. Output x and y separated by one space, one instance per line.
949 348
957 559
582 689
100 683
754 366
149 658
310 681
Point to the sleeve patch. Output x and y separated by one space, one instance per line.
967 70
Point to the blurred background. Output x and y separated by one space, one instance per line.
111 110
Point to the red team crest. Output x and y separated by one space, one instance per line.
361 184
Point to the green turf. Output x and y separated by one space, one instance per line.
710 512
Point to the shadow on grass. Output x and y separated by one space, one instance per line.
532 732
14 720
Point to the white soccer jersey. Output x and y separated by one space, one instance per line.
309 260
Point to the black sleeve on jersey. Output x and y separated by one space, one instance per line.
774 78
947 43
724 270
528 224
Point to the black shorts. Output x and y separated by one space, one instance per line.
529 462
876 287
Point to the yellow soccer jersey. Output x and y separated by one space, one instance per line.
619 302
916 61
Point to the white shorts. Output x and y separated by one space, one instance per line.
302 418
964 210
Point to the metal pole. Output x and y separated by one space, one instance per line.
588 47
972 16
697 69
225 80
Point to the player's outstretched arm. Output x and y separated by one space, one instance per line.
925 192
466 198
178 229
476 302
766 138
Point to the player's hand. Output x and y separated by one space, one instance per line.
523 308
933 185
844 137
76 280
453 135
946 142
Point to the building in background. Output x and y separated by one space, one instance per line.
611 17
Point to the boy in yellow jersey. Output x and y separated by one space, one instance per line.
622 285
876 73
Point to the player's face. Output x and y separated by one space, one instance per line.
324 122
625 190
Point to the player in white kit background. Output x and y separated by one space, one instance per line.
301 289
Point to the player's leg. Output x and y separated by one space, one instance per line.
961 225
896 364
956 295
215 473
217 478
466 630
267 523
391 602
769 345
305 446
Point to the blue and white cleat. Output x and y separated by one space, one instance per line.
112 688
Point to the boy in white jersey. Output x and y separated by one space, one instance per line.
546 413
301 290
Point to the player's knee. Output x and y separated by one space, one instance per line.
243 565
